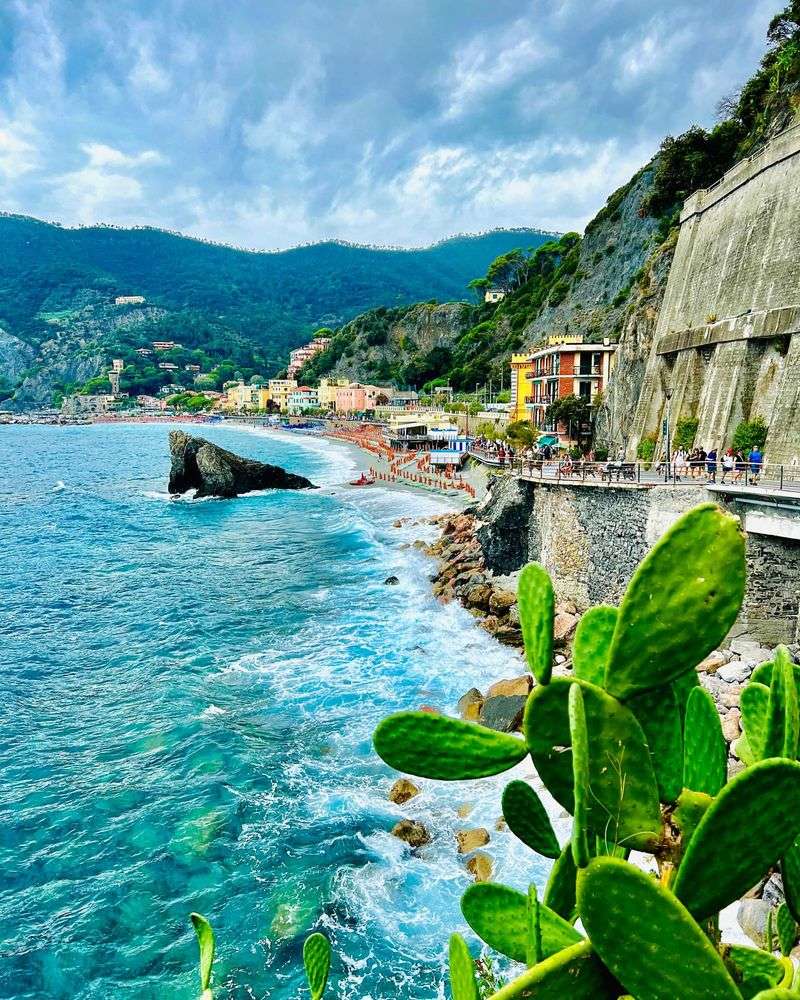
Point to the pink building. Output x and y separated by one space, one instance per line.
356 398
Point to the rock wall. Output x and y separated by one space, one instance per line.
591 539
727 340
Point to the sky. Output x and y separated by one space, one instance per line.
269 123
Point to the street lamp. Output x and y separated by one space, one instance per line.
667 430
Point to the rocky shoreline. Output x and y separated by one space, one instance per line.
463 575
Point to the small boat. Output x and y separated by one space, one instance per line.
363 480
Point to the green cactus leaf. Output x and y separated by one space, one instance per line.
463 985
624 806
741 748
745 830
534 950
790 875
575 973
755 706
592 643
680 603
206 944
436 746
317 960
579 738
499 916
762 674
690 809
682 687
646 937
777 994
753 963
536 603
783 722
705 765
559 893
659 716
528 820
787 929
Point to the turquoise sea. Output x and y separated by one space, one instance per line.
188 694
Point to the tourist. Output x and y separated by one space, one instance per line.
739 465
711 464
756 460
681 464
727 463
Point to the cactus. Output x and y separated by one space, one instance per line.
680 604
317 960
790 873
559 893
705 763
462 972
535 951
743 832
206 944
592 643
579 738
499 916
646 938
755 966
528 820
536 603
659 715
787 930
435 746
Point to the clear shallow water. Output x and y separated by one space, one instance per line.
188 694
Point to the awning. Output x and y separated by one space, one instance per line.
546 439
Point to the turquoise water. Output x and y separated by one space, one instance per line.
188 693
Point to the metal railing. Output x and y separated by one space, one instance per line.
765 475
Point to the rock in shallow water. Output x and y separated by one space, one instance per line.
214 472
412 832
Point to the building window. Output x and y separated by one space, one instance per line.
585 390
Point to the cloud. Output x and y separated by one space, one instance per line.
370 120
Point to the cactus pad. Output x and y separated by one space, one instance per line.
528 820
790 874
317 960
535 954
787 929
705 765
537 604
746 829
753 963
592 643
462 971
205 942
436 746
624 805
574 973
680 603
754 704
499 916
645 936
777 994
580 769
659 716
559 893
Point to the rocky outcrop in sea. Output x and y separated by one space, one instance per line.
197 464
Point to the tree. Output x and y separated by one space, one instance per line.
521 434
570 410
685 431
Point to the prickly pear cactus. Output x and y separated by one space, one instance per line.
205 942
317 960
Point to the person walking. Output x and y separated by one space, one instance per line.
681 464
711 464
739 466
727 463
756 460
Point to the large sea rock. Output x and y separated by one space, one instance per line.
197 464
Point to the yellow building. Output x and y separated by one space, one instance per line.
279 391
327 391
521 372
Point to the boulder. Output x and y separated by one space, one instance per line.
500 824
465 809
391 581
564 625
414 833
503 713
480 867
402 790
509 636
429 709
735 672
772 892
513 615
197 464
502 601
470 705
731 728
478 596
513 686
752 917
470 840
713 662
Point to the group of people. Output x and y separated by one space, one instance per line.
733 463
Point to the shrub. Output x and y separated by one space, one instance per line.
685 430
646 448
750 434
